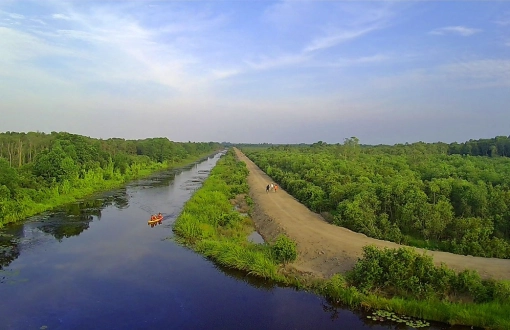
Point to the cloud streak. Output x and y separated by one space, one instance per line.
455 30
333 39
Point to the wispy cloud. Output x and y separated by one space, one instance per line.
120 46
16 16
38 21
265 63
18 46
334 39
372 59
224 73
62 17
455 30
340 22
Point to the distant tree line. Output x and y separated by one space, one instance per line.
494 147
498 146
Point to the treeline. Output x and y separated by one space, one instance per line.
428 199
494 147
498 146
39 171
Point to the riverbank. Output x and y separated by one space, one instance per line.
209 225
94 183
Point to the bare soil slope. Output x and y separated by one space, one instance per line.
325 249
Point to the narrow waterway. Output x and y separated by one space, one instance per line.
96 264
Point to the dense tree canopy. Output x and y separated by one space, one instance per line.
417 194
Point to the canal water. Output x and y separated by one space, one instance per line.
97 264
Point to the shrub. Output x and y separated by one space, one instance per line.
502 292
230 218
284 249
406 273
469 282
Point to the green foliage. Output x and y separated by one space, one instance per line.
338 290
46 170
502 292
249 201
405 273
229 219
8 175
55 165
284 249
414 193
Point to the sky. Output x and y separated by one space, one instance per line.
256 71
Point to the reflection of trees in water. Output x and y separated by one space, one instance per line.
73 219
118 198
66 221
331 310
162 179
9 249
62 226
251 280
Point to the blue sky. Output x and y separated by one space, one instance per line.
257 71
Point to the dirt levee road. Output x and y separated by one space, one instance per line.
325 249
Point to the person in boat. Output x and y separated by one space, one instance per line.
160 216
153 217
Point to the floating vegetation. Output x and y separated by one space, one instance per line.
382 315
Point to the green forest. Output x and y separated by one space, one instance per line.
450 197
39 171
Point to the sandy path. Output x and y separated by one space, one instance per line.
325 249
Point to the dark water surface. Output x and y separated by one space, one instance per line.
96 264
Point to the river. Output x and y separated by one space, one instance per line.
96 264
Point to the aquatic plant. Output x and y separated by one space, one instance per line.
382 315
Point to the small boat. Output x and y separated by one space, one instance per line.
155 219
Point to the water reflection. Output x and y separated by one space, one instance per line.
64 222
253 281
72 219
9 249
256 238
161 179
